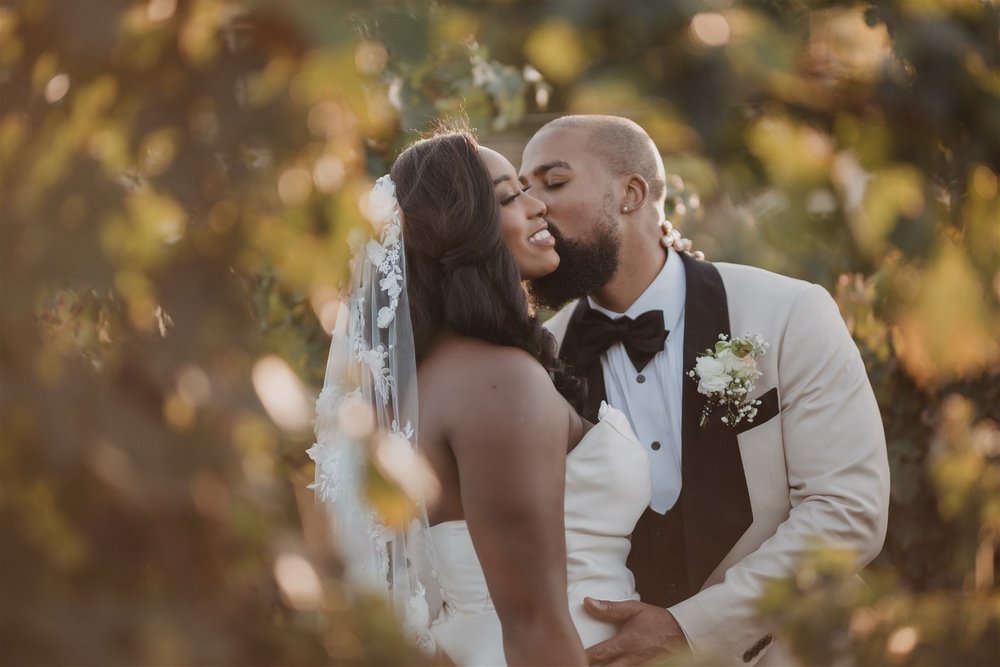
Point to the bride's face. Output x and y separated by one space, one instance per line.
522 222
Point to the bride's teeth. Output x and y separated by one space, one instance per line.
540 235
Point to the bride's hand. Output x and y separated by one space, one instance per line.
672 239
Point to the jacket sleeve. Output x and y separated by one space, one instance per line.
838 478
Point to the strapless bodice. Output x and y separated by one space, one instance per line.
607 488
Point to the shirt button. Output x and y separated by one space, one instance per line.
655 445
641 378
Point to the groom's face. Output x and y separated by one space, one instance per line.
577 191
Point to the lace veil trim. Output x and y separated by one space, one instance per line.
366 415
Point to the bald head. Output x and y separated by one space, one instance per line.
622 145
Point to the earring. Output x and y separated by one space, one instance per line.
624 209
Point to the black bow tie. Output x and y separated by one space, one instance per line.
643 337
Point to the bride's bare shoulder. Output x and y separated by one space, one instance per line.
459 358
462 375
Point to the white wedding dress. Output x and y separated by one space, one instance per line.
607 489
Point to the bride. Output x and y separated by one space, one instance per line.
536 504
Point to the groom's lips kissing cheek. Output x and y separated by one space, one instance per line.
585 265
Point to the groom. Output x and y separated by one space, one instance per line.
734 505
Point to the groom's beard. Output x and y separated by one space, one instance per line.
585 266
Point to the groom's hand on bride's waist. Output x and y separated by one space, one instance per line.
645 633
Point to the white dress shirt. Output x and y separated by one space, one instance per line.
651 398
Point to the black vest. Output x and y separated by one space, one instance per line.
673 554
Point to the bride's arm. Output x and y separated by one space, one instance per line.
508 431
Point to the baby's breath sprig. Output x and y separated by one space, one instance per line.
726 375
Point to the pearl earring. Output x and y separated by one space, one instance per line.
624 209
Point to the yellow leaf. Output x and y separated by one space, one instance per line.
949 331
556 49
794 155
894 191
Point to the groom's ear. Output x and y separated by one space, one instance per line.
636 194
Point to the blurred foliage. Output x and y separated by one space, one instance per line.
178 183
834 618
178 179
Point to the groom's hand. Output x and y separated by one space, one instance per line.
645 633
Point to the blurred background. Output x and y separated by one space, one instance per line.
178 179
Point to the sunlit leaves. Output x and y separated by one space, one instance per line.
848 48
13 131
939 8
557 49
657 116
794 155
157 151
856 298
46 67
458 82
255 439
982 211
950 329
199 34
287 401
710 29
328 74
765 52
58 143
891 195
965 465
181 180
504 84
698 176
49 527
837 618
455 24
137 174
834 618
270 81
75 323
10 48
142 236
867 138
299 583
823 593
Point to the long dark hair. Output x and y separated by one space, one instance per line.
459 273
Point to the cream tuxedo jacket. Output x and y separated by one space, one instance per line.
814 462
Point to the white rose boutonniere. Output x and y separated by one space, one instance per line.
726 375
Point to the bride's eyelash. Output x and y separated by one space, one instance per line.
553 186
507 200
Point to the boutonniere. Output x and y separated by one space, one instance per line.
726 375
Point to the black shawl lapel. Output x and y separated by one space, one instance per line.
716 502
592 372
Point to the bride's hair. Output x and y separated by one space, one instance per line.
459 273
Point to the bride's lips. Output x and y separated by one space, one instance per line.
542 237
